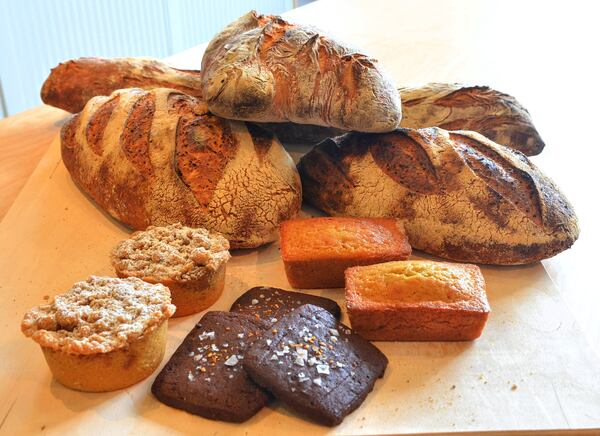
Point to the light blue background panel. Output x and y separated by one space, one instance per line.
35 35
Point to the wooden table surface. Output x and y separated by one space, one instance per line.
544 54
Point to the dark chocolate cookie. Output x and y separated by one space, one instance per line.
205 375
315 365
272 304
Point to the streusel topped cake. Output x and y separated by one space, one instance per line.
190 262
102 334
170 252
99 315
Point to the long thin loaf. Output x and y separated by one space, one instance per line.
159 157
72 84
454 106
459 195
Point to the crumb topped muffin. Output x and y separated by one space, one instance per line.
103 334
190 262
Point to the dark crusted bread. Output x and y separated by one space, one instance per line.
205 375
315 365
454 106
159 157
262 68
70 85
459 195
272 304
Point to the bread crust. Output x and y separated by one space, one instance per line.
455 106
262 68
459 195
72 84
179 163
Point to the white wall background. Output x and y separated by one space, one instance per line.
35 35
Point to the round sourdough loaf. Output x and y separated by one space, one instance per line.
103 334
159 157
459 195
262 68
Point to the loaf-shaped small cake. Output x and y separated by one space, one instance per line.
417 301
103 334
159 157
458 194
316 251
190 262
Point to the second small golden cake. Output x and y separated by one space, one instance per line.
103 334
190 262
417 301
316 251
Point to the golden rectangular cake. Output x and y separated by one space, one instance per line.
317 251
417 301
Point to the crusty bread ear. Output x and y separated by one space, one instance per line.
262 68
72 84
454 106
159 157
459 195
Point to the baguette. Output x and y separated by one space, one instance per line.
72 84
158 157
459 195
262 68
453 106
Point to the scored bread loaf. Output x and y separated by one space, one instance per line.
262 68
72 84
459 195
454 106
159 157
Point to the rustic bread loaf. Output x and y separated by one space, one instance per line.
454 106
72 84
317 251
417 300
459 195
158 157
262 68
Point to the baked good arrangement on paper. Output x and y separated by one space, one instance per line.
195 162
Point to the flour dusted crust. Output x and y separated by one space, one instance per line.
459 195
454 106
100 315
159 157
172 252
265 69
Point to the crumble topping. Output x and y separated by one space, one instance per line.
172 252
99 315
